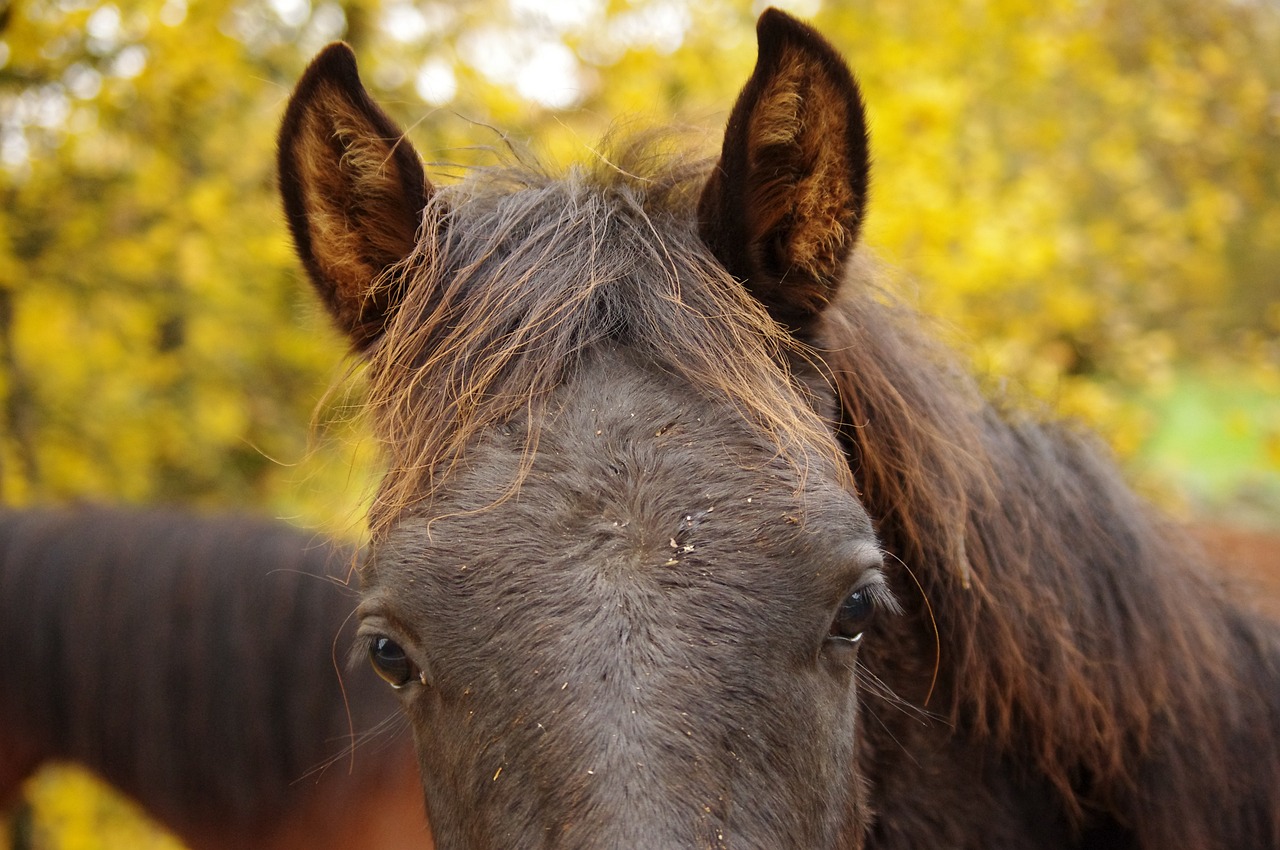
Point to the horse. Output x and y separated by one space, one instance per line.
189 661
691 535
1250 556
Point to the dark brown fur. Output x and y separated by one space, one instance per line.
189 661
619 531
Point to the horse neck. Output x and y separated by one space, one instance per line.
1075 631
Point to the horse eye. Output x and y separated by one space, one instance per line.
853 616
390 662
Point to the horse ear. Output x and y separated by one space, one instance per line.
353 190
783 206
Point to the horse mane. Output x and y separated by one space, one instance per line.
185 659
1076 631
604 254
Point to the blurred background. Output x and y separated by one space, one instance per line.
1084 193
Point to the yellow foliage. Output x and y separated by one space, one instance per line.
75 811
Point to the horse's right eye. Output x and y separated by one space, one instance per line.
390 662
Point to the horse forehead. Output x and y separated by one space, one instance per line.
635 472
627 428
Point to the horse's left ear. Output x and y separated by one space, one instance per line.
353 190
783 206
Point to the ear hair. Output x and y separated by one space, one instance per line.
784 205
353 190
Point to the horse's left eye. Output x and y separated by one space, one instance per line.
853 616
391 663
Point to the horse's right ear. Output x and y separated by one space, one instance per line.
354 191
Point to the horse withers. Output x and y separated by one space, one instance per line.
691 538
